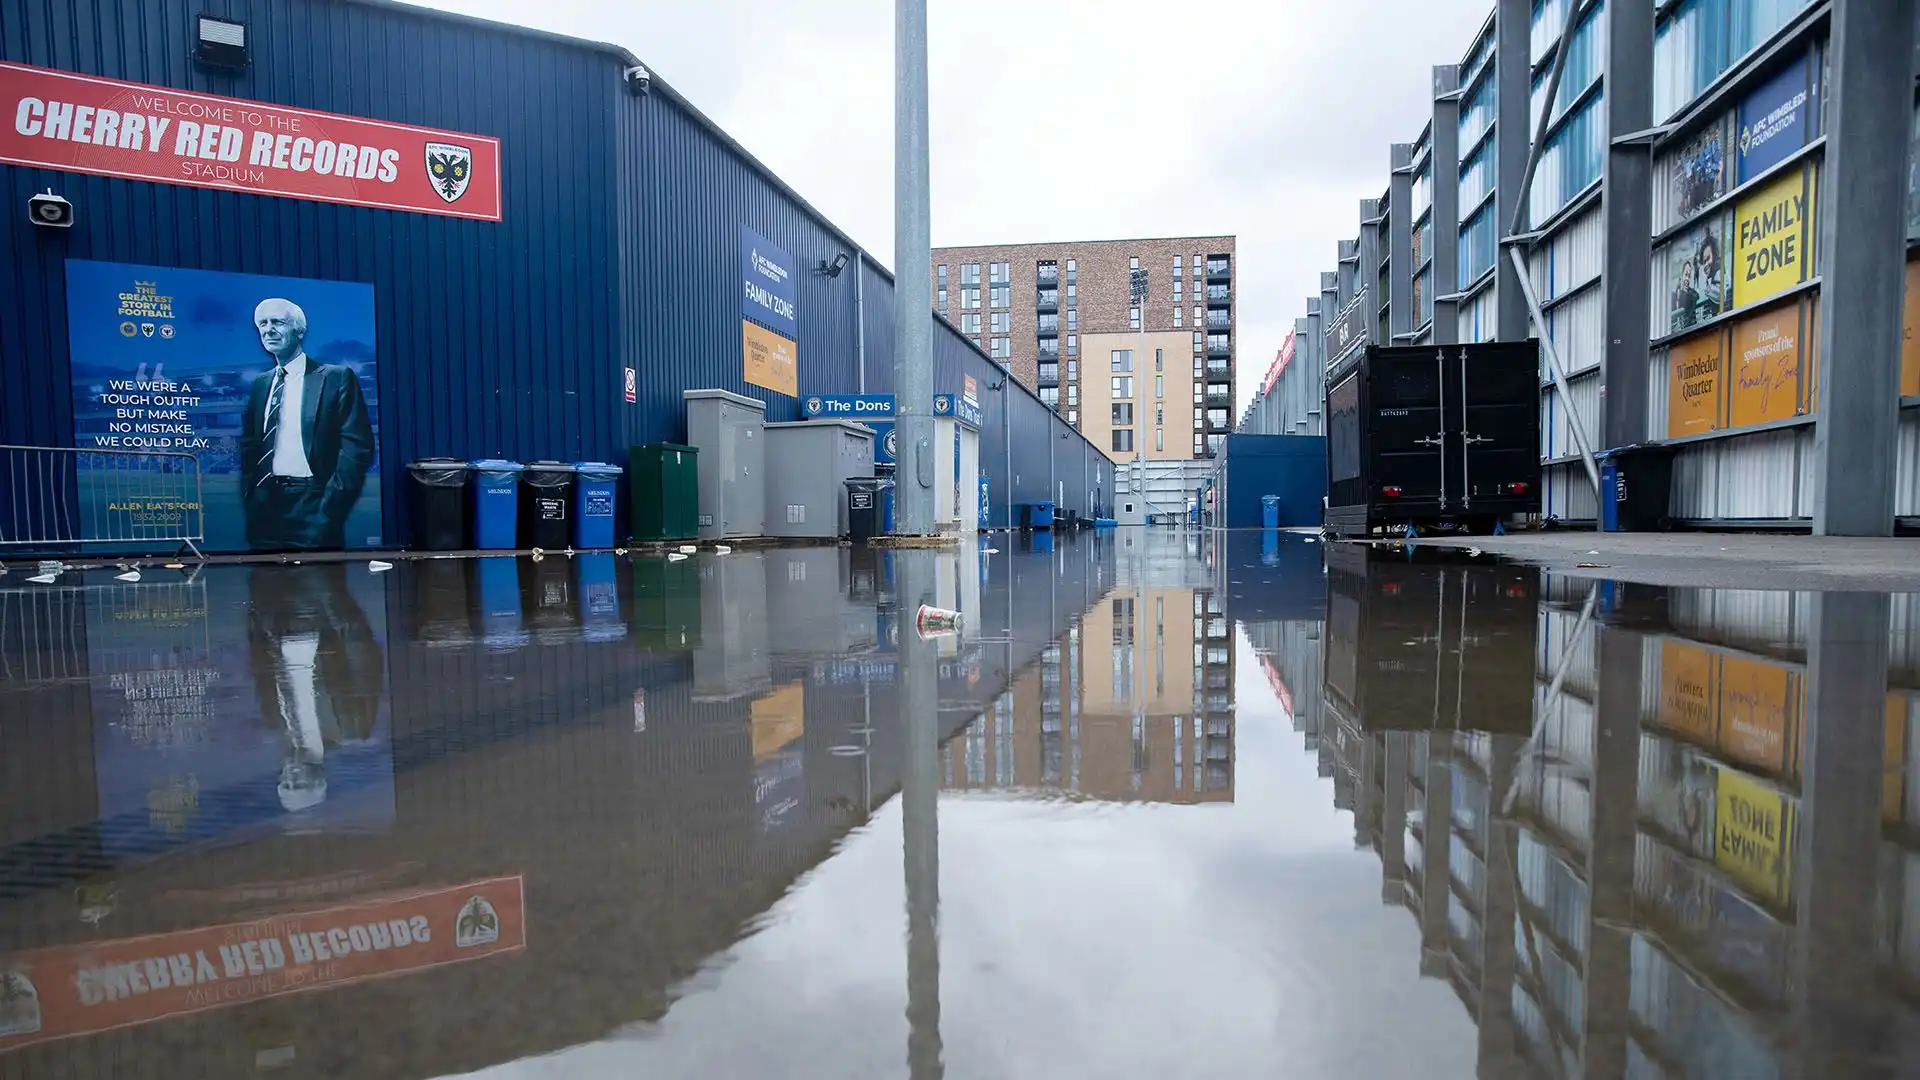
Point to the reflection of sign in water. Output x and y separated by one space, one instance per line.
204 383
99 986
1689 690
249 700
779 723
1754 834
1754 720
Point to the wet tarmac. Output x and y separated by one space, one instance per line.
1170 805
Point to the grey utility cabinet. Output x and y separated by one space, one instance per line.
808 465
726 429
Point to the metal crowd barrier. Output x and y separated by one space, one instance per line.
57 497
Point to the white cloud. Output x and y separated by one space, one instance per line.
1082 120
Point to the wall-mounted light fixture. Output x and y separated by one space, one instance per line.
832 269
221 43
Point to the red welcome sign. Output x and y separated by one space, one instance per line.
78 123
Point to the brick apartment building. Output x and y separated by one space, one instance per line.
1153 382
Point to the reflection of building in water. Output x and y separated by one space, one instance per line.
1135 703
1686 869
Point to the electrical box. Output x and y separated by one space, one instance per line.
808 465
725 429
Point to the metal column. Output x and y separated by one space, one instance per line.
1445 156
1399 244
1862 260
912 263
1513 76
1626 184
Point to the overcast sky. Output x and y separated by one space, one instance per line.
1268 120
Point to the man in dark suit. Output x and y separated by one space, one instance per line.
306 441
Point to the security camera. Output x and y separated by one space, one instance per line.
50 210
639 79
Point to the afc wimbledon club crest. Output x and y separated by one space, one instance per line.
19 1004
479 924
449 167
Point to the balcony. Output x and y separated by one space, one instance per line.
1219 296
1049 326
1047 300
1219 371
1219 397
1049 350
1219 270
1219 320
1218 424
1046 274
1049 375
1219 346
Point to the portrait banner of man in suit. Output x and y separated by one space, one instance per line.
269 382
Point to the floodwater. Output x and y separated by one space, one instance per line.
1170 805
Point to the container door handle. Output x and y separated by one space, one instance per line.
1466 485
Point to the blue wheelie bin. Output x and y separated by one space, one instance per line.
596 489
496 504
1269 511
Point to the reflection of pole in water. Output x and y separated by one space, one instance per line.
919 792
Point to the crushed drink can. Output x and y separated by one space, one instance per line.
933 622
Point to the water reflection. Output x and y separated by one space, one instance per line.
1652 832
316 819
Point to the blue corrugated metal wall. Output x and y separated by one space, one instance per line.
619 244
1293 467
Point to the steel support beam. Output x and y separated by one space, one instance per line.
1513 73
1399 244
1626 185
1862 261
1446 203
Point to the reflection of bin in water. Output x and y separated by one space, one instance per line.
496 503
546 505
1636 485
440 504
596 490
442 601
666 604
499 592
598 587
546 597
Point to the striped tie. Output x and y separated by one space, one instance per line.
270 428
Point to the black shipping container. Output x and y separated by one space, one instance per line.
1430 640
1433 435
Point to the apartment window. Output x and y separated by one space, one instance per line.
1177 295
1050 396
1159 439
1133 318
1159 386
1049 324
1122 414
1002 322
1073 295
1196 266
1213 443
970 274
1073 344
1047 271
1133 263
1199 448
1198 313
1219 342
1049 348
1199 419
1123 441
1177 266
941 300
1178 314
1123 360
1196 386
970 297
1159 415
1072 269
1047 298
1122 388
1000 296
1159 360
1073 393
1002 348
970 323
1073 319
1050 372
1217 417
1073 370
999 273
1073 417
